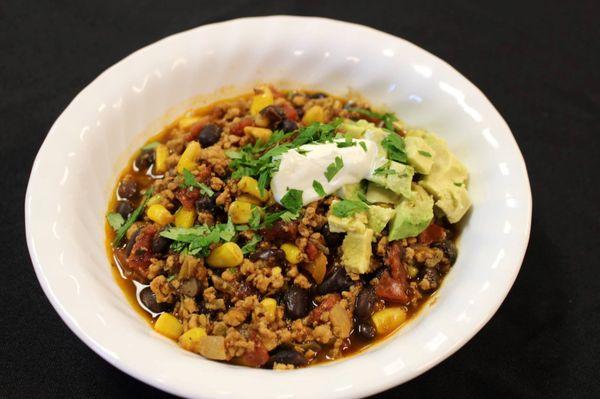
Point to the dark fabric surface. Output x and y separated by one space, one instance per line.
536 61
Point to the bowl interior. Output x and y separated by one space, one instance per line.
88 146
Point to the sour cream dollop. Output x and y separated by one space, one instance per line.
298 170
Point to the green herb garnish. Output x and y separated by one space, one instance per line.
348 142
189 181
425 153
318 187
333 168
254 221
196 241
395 147
345 208
250 246
131 219
115 220
292 200
384 170
363 145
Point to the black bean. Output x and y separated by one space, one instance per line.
209 135
365 302
366 330
124 208
287 125
160 244
206 203
271 255
128 188
148 299
287 356
273 113
144 160
449 250
317 95
337 281
131 241
331 239
190 287
297 302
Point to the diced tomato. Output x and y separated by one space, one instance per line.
433 233
256 357
141 252
311 251
325 306
188 197
238 127
290 112
393 285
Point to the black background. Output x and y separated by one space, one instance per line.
536 61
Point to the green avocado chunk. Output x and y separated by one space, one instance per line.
447 179
350 191
379 217
398 178
355 129
412 216
354 223
356 251
420 155
377 194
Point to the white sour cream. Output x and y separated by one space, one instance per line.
298 171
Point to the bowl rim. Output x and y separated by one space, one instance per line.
357 391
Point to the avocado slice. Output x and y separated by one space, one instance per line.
412 216
354 223
357 251
419 153
379 217
377 194
447 179
398 180
350 191
355 129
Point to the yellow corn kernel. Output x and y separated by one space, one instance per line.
259 133
159 214
315 113
292 253
185 217
168 325
240 212
269 306
388 319
226 255
261 100
249 185
161 153
187 121
189 157
191 338
249 199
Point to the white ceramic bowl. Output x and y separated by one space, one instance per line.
90 142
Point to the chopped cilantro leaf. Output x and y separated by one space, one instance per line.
318 187
363 145
425 153
115 220
131 219
345 208
189 180
384 170
292 200
361 196
250 246
196 241
254 221
388 118
334 168
395 147
348 142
